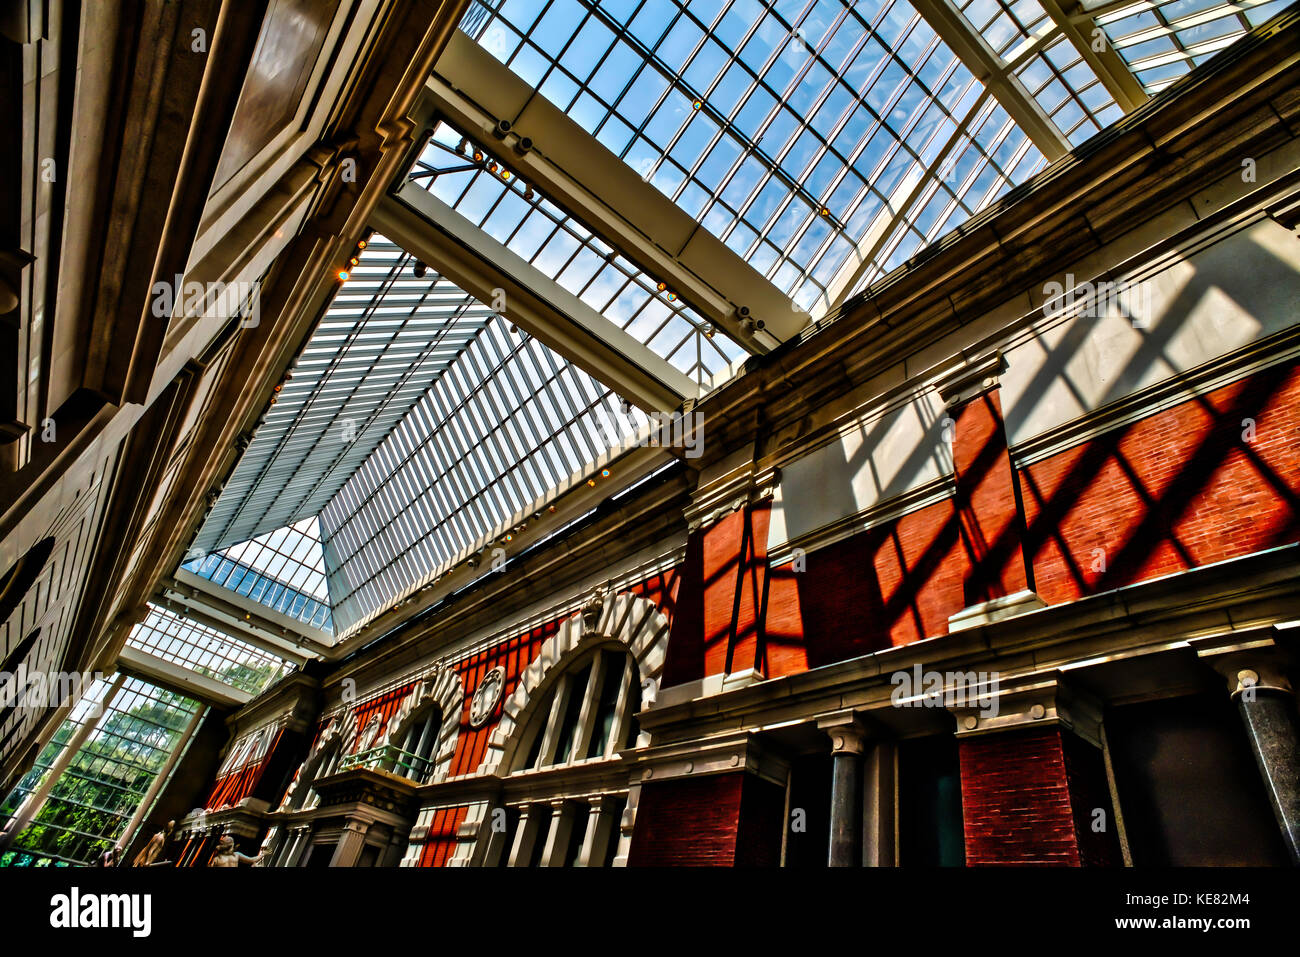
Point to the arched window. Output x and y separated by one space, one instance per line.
414 754
589 713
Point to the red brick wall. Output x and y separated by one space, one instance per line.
684 660
987 513
1015 799
1174 491
1171 492
891 585
440 843
688 822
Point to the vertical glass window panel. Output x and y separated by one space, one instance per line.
607 703
568 729
105 781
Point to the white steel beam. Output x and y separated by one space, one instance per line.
473 91
426 227
973 50
180 679
1101 56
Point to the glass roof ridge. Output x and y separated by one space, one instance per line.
360 373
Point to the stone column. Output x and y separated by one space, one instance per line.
525 835
1267 705
848 742
351 841
878 805
602 824
561 829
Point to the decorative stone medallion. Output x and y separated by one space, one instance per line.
486 697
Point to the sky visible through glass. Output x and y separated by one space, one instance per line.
789 130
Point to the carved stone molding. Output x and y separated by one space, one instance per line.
971 379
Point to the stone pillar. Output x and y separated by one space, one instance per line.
525 836
294 844
602 824
848 742
561 829
351 842
1267 705
1032 775
878 805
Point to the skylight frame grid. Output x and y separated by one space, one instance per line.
356 377
657 317
200 648
808 279
1161 40
257 568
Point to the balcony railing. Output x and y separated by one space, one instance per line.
391 758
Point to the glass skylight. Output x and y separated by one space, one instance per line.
207 651
507 423
283 569
470 180
1162 41
793 131
386 336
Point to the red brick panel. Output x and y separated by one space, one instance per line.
889 586
684 660
233 787
688 822
441 841
1174 491
1015 799
986 502
723 542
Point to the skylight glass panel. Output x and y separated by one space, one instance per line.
508 422
795 132
1069 92
283 570
1162 41
192 645
384 339
470 179
1005 26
